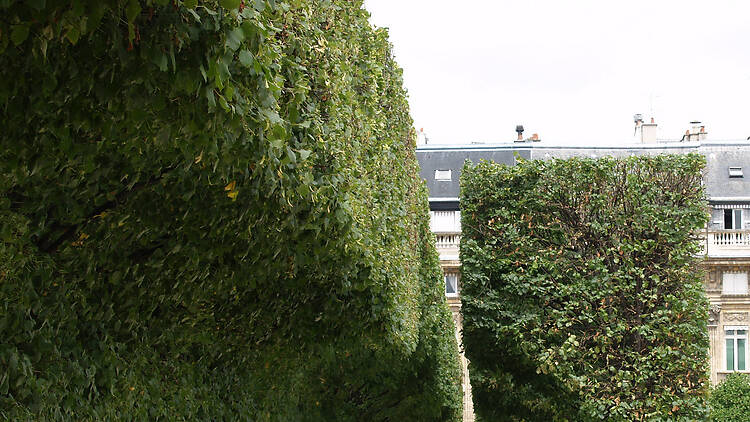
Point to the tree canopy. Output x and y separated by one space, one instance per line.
211 210
582 293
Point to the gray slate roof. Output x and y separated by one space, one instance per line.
719 156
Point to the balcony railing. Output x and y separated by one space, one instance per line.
730 238
717 243
447 240
727 243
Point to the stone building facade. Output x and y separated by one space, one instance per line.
725 240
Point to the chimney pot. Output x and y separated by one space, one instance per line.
652 120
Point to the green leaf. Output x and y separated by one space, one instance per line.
19 33
132 10
210 96
160 59
73 35
223 103
292 156
248 28
235 38
230 4
190 4
95 17
246 58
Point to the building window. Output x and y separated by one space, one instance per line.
734 283
735 172
732 219
736 350
442 175
451 284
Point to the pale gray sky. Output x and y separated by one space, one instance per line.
573 71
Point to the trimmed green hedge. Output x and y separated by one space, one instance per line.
582 294
211 210
730 400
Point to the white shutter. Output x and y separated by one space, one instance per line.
734 283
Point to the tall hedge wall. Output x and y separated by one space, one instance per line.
582 295
730 400
211 210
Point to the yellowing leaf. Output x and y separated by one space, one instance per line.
232 189
81 238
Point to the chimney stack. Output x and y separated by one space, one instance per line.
648 132
422 137
696 133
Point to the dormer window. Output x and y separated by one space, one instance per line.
443 175
735 172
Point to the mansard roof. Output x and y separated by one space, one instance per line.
720 156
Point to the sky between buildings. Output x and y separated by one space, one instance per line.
573 71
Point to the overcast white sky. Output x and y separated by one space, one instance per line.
573 71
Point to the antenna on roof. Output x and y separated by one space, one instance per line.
638 119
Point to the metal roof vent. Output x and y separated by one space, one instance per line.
735 172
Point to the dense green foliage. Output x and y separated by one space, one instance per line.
211 210
582 294
730 400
